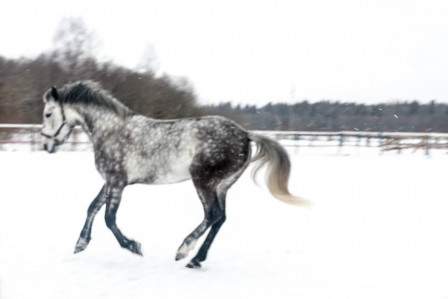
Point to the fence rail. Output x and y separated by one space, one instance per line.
15 137
27 137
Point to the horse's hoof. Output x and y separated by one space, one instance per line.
193 264
184 249
180 256
78 249
81 245
135 247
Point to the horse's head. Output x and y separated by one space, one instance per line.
56 128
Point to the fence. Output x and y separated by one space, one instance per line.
384 141
27 137
17 137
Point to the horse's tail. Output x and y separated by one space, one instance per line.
271 154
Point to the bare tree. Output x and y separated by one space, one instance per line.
149 63
75 48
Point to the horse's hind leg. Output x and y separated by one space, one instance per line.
94 207
222 189
202 253
114 193
213 213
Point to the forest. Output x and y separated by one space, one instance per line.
24 80
337 116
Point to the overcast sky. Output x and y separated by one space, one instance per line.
260 51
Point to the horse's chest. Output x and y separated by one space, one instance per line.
110 168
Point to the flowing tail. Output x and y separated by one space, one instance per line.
272 155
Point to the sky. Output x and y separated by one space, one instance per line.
255 52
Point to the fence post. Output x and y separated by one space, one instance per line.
34 139
296 143
341 142
380 143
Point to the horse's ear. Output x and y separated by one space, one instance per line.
54 93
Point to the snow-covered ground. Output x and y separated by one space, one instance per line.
378 228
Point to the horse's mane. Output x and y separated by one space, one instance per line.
91 93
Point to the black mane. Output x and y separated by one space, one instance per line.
91 93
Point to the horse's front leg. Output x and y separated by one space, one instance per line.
94 207
114 193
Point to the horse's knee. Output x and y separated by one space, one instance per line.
110 220
93 208
110 215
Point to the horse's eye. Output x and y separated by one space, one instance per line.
47 115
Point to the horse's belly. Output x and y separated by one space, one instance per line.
156 172
179 175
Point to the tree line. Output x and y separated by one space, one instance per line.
23 81
336 116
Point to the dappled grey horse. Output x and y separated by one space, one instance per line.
129 148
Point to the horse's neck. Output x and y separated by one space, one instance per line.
99 123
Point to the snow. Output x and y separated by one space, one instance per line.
378 228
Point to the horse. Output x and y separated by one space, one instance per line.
130 148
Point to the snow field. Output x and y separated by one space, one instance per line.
378 228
